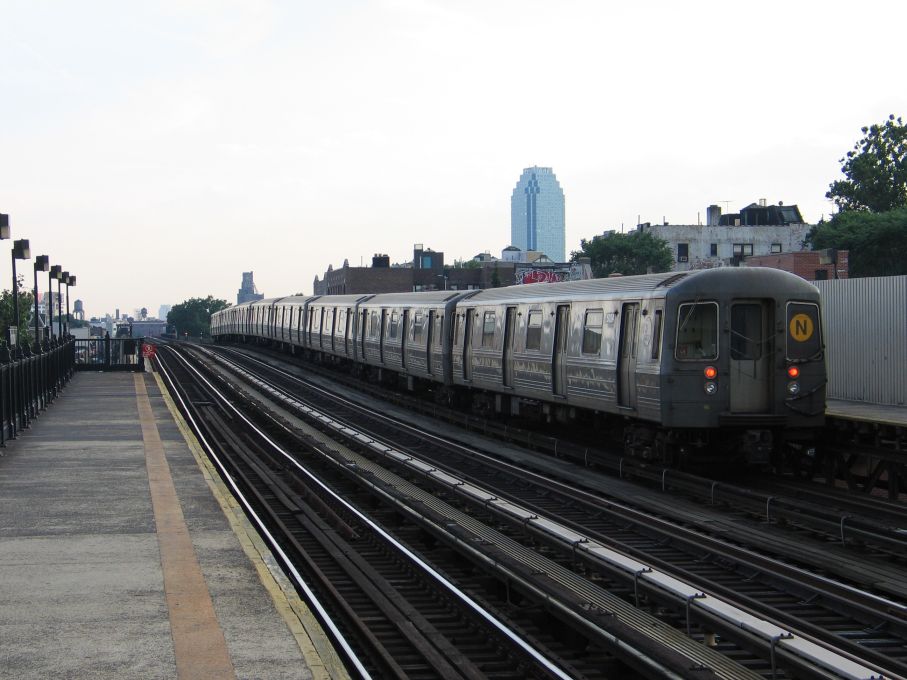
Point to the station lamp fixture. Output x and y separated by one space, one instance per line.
21 251
42 264
56 273
64 278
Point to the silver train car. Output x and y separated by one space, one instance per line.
683 366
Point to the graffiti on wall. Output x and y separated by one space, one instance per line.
572 272
541 276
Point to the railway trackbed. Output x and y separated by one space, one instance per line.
857 521
752 613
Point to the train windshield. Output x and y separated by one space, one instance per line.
804 342
697 331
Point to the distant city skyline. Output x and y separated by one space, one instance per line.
158 150
537 220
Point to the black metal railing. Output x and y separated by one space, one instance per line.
109 354
29 381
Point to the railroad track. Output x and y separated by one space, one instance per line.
347 568
882 529
688 552
858 522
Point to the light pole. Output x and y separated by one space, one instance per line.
21 251
42 264
70 282
55 273
64 278
50 303
4 230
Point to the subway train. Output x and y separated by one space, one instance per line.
717 364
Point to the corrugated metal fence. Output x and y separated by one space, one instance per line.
866 337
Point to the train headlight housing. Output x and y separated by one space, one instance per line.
711 388
793 388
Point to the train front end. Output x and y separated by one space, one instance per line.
748 366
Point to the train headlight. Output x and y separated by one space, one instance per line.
711 388
793 372
793 388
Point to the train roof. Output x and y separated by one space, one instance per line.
426 297
698 282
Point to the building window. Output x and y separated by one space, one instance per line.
821 275
488 330
743 249
592 331
534 330
713 250
683 252
776 247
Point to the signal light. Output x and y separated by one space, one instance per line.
793 372
710 372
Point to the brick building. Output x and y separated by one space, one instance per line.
427 271
812 265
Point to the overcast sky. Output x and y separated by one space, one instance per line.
159 149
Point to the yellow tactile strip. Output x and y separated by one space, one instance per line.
316 649
198 641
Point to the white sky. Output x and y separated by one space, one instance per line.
157 150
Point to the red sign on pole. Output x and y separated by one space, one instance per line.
149 350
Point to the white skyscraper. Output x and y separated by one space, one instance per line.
537 213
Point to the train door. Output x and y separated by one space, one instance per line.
467 344
429 336
361 355
381 336
346 331
626 358
509 321
333 328
559 351
404 337
750 356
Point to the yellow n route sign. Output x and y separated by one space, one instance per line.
801 327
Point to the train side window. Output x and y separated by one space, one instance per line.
534 330
656 334
418 332
392 333
592 331
374 325
697 331
488 329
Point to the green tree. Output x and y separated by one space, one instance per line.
876 170
26 314
877 241
194 315
635 253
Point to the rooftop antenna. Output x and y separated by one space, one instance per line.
727 205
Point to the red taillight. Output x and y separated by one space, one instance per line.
710 372
793 372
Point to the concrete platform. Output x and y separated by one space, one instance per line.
862 411
123 556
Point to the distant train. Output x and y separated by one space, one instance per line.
682 366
